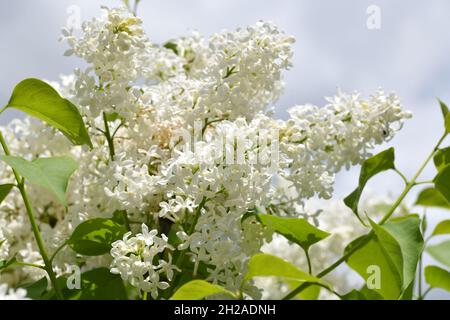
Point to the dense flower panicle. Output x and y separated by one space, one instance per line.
195 148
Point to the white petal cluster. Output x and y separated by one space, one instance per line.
217 91
139 261
12 294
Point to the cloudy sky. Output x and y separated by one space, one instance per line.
409 54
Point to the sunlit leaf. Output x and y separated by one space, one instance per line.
40 100
437 277
198 290
297 230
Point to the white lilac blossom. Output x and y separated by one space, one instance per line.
139 261
218 90
12 294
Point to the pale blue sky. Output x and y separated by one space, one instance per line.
334 48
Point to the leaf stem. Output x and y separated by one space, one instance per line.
402 176
308 259
411 183
37 234
58 250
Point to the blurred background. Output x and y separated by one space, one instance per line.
401 45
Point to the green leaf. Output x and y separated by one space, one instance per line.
380 250
442 182
444 108
94 237
4 191
447 123
424 224
198 290
431 197
441 252
363 294
36 290
98 284
171 46
266 265
371 167
51 173
437 277
442 227
353 295
406 230
310 293
442 158
6 263
40 100
296 230
395 249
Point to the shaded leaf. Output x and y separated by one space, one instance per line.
442 158
40 100
36 290
98 284
371 167
4 191
442 182
50 173
94 237
198 290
